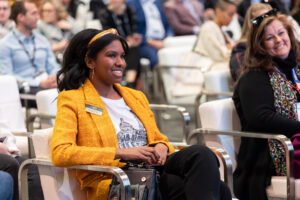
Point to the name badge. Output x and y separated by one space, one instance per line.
93 109
297 108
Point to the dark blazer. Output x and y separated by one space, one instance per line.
180 19
127 24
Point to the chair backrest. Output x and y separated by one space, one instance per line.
11 110
10 105
221 115
59 183
46 101
179 41
218 79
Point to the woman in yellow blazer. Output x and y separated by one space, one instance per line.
100 122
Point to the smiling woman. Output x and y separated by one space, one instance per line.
266 99
276 40
100 122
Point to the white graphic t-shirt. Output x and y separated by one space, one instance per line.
130 130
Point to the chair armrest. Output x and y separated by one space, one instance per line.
17 133
118 172
207 93
185 116
286 142
227 164
31 118
214 93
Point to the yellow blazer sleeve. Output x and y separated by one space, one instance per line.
157 136
64 147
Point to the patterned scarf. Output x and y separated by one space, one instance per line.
285 99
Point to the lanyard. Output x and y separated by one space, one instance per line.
296 79
31 59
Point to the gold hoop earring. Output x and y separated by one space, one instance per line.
93 73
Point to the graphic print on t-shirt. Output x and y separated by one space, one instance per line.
129 137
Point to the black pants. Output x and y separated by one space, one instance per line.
11 165
193 174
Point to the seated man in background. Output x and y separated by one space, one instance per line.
184 16
26 54
152 24
6 25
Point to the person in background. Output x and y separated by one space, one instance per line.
238 51
78 10
266 99
152 24
296 12
71 6
184 16
122 17
6 186
10 161
56 25
282 5
99 122
212 41
6 25
26 54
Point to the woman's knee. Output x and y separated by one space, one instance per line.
203 154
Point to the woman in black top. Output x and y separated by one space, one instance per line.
265 99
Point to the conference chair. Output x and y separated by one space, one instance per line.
221 127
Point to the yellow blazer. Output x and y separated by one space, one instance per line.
80 137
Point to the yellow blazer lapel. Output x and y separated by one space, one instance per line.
103 122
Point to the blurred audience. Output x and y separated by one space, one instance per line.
6 25
26 54
212 41
57 26
96 5
296 12
122 17
238 51
282 5
184 16
71 6
153 25
78 10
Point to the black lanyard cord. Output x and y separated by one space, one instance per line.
26 51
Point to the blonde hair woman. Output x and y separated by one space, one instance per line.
56 25
238 51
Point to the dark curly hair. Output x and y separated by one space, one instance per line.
74 70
